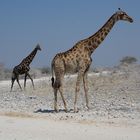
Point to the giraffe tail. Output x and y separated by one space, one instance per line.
56 83
52 79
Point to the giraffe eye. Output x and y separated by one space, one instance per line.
122 15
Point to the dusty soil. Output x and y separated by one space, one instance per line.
114 98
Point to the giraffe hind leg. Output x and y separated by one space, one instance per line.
61 93
55 100
13 80
56 85
59 86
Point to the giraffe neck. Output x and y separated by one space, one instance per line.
30 57
96 39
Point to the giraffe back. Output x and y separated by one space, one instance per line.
71 60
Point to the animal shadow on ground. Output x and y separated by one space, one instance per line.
51 111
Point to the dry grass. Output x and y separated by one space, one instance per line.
17 114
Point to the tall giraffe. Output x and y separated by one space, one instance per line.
78 59
23 68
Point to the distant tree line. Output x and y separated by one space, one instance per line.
5 73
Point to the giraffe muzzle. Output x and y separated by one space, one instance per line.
131 20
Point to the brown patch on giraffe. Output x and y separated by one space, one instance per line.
106 33
89 43
98 41
102 33
102 38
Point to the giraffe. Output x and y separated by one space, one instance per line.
23 68
78 59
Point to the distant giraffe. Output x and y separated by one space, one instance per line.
79 59
23 68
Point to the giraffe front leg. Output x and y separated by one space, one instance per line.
75 102
85 82
77 91
31 80
19 83
25 81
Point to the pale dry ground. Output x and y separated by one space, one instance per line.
17 128
114 109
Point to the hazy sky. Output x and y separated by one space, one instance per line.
58 24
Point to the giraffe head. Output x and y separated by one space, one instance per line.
38 47
121 15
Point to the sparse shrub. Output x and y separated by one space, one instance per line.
4 72
35 73
95 70
128 60
45 70
8 73
2 75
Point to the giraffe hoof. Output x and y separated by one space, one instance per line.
56 110
87 107
76 110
